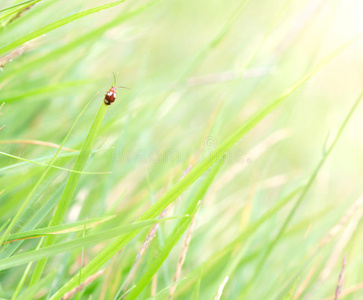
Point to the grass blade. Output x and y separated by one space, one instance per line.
60 229
56 25
24 258
52 166
71 185
88 37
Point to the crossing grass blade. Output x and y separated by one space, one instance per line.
61 229
53 166
77 243
45 158
56 25
24 3
194 174
11 10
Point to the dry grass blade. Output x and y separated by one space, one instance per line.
340 279
35 142
182 257
342 222
15 53
79 288
146 243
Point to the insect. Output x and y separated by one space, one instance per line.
111 94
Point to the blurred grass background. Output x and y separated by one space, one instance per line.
197 70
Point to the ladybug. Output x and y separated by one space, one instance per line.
111 95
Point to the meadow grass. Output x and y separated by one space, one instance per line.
230 170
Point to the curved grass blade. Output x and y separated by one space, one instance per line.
194 174
57 24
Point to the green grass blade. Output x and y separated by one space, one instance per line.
193 175
56 25
25 275
15 9
29 293
4 225
71 185
90 36
58 88
24 3
44 158
24 258
51 166
60 229
290 294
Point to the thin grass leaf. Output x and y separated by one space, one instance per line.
290 294
71 185
29 293
24 3
25 275
80 40
77 243
55 230
52 166
46 90
15 9
194 174
44 158
56 25
4 225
